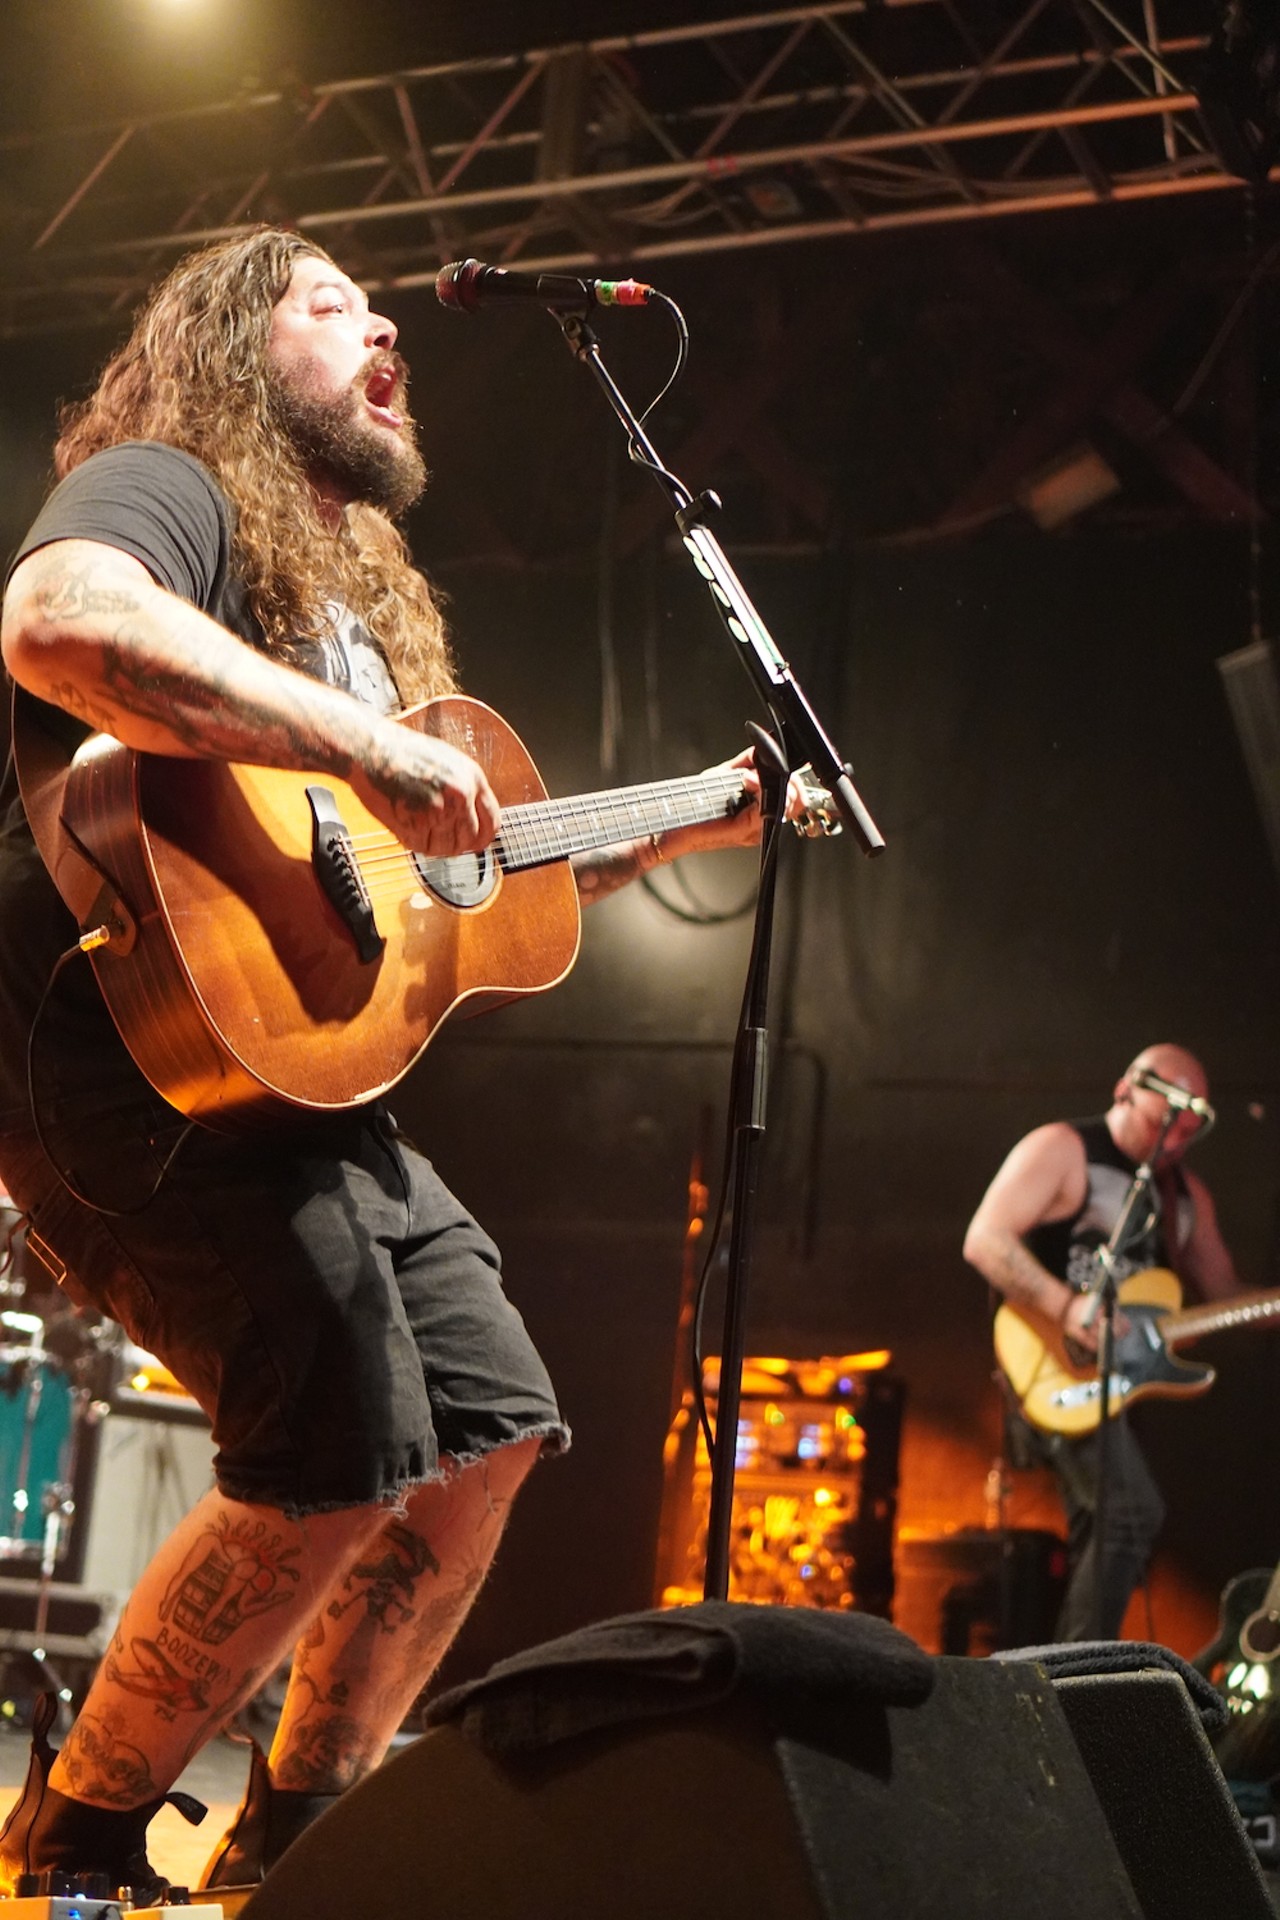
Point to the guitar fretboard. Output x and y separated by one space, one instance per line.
545 830
1247 1309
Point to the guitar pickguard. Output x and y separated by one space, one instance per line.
1141 1360
1056 1381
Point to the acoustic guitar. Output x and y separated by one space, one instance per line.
268 950
1055 1381
1243 1662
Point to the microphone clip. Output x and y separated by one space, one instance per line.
702 504
1173 1095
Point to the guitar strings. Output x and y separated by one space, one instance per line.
539 830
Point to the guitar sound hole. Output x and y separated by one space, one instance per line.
461 880
1260 1636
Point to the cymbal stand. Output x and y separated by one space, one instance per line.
59 1514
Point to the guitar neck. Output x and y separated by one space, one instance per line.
543 830
1243 1310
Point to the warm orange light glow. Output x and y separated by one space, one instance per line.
869 1362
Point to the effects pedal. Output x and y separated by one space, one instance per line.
83 1906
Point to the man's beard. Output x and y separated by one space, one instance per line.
340 446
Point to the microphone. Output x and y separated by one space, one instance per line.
1177 1097
468 285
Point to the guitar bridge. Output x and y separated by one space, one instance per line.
1082 1393
334 860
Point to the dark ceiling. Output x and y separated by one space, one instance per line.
1053 309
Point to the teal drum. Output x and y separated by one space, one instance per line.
37 1417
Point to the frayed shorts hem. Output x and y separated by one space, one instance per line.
554 1434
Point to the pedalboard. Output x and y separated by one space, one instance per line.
82 1906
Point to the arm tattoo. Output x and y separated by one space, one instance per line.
74 700
194 714
1016 1273
149 668
62 594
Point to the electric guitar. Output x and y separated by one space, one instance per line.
1055 1381
1243 1662
268 949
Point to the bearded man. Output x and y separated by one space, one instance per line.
218 575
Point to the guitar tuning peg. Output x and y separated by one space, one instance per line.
819 819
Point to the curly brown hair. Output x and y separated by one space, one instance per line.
195 374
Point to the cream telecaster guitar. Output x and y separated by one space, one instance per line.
1056 1382
274 951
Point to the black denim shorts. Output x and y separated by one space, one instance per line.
332 1307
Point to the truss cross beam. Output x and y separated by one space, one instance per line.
804 122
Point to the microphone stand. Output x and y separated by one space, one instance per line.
1102 1290
798 738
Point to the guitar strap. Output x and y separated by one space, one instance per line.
42 762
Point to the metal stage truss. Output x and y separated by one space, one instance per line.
802 123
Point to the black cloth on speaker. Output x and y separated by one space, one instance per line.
1076 1659
805 1669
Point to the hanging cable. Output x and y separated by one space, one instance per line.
63 1173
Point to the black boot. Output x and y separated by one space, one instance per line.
49 1831
268 1820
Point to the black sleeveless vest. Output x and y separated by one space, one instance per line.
1066 1247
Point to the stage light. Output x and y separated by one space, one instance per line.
1069 485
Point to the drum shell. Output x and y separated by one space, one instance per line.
37 1413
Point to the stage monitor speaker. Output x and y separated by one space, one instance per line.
1169 1807
976 1589
975 1804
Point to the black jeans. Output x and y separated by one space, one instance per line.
1094 1604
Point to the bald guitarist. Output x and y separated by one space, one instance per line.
1054 1201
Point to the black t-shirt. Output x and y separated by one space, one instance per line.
165 509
